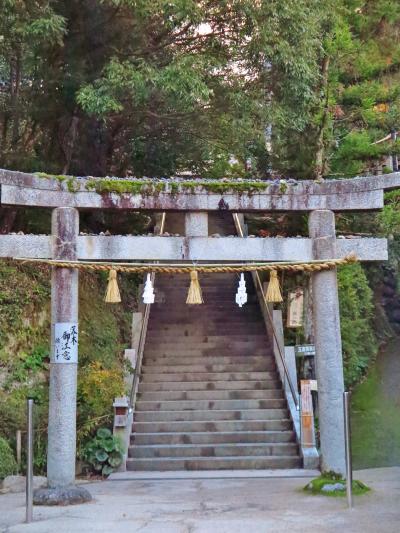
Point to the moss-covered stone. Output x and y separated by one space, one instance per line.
334 486
149 187
145 187
59 177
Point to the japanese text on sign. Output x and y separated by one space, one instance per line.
65 342
304 350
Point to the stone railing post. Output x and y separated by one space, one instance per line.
61 453
328 344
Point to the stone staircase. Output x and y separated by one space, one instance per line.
209 395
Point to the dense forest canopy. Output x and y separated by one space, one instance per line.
219 88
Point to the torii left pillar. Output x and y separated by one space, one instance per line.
61 452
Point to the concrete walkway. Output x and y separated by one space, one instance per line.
215 505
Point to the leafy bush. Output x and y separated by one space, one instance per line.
104 452
8 465
25 344
389 217
356 311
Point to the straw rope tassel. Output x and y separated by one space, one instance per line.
113 295
194 295
273 291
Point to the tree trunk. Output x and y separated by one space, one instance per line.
68 140
7 219
320 156
16 83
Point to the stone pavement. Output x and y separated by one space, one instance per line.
215 505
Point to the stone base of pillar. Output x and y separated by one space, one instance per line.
61 495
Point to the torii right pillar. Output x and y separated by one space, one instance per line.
328 344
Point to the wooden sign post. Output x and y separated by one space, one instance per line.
307 413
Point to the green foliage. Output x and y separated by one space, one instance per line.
97 388
8 465
365 96
24 351
356 98
104 452
389 217
153 87
356 311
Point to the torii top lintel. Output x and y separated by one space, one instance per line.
360 193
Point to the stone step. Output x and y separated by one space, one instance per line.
239 317
216 294
250 306
213 294
211 300
209 396
211 341
214 463
152 377
222 287
213 278
205 360
215 450
227 334
200 337
204 317
222 326
212 405
173 351
212 395
188 328
236 386
213 438
237 426
204 350
219 348
267 364
197 313
207 335
213 415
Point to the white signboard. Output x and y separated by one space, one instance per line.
304 350
65 342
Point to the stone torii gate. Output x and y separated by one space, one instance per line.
196 199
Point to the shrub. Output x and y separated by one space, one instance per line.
8 465
104 453
356 311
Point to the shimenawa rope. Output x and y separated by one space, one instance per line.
317 266
273 293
